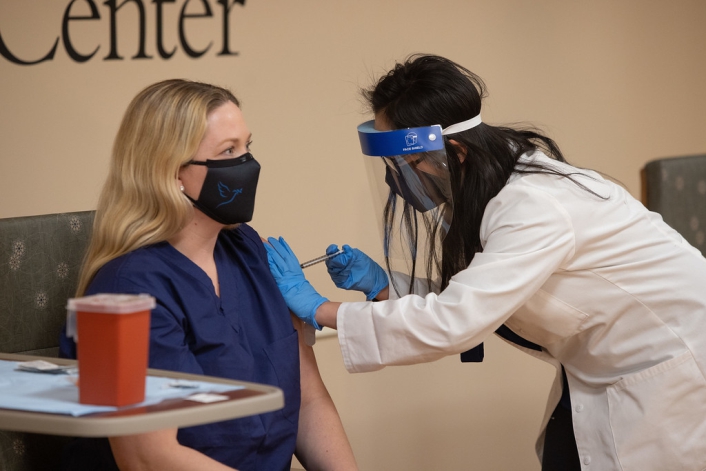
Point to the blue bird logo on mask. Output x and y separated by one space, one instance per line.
226 192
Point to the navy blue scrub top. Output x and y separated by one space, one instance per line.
246 334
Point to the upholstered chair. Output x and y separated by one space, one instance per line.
676 188
40 258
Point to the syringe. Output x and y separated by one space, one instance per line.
320 259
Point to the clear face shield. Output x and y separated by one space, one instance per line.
410 174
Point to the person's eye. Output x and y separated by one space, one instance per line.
229 150
248 145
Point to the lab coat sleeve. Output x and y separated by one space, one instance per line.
421 286
527 235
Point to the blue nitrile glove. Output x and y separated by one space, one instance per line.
354 270
301 298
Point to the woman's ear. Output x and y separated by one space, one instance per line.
461 151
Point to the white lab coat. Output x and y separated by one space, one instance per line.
603 285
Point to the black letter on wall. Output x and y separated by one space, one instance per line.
182 37
160 48
112 4
5 52
226 11
65 31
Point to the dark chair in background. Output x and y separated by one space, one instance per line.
676 188
40 257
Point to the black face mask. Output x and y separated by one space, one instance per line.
228 192
427 195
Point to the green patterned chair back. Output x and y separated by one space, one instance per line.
40 257
676 188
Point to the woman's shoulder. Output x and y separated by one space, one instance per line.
139 259
561 179
530 162
248 232
139 264
244 236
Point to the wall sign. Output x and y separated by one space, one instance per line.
163 51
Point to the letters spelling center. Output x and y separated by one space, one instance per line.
113 8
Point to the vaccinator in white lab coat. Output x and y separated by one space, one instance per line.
561 262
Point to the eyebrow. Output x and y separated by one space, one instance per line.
230 139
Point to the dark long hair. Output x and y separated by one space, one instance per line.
425 90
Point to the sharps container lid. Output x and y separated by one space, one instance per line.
112 303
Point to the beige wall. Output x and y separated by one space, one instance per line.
616 83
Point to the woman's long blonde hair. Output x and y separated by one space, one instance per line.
140 203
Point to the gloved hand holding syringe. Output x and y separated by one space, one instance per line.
348 267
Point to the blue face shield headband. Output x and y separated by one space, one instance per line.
400 141
416 167
410 140
416 163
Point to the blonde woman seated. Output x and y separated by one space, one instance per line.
171 222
